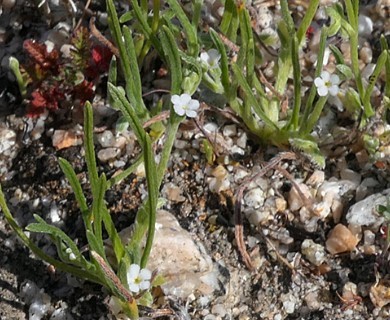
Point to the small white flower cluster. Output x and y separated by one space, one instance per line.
70 253
211 58
138 279
327 84
184 105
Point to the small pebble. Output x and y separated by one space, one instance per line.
340 239
365 26
106 139
242 140
230 130
108 154
313 252
254 198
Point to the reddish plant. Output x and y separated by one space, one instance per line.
54 79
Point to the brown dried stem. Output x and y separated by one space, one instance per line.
239 235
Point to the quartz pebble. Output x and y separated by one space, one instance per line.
254 198
63 139
294 198
106 139
313 252
183 263
230 130
365 26
364 213
340 239
107 154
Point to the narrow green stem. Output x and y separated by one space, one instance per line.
172 130
39 253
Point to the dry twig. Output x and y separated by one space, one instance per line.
239 235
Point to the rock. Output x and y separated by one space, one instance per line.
230 130
220 180
365 26
173 192
254 198
184 264
350 175
242 139
65 138
106 139
379 293
108 154
364 213
294 199
313 252
340 239
7 139
317 178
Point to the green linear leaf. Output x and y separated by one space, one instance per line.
224 60
135 78
251 100
97 206
173 58
77 190
189 29
124 105
90 148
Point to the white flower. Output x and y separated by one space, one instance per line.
211 58
138 279
184 105
327 83
71 256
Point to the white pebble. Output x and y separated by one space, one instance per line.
211 127
366 26
242 140
106 139
313 252
105 155
289 306
230 130
254 198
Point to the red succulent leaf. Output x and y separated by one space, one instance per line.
100 61
84 91
44 99
39 55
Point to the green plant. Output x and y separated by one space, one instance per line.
245 90
96 217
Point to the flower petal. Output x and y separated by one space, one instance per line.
133 272
325 75
144 285
145 274
191 114
134 287
334 79
179 109
322 91
204 56
319 82
175 99
193 105
214 54
185 98
334 90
